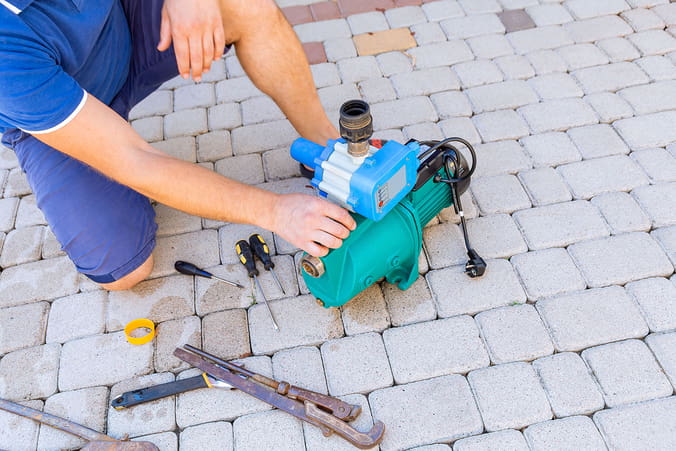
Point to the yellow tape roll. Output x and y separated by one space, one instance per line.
137 324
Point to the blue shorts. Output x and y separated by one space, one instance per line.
106 228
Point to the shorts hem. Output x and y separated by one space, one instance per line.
127 268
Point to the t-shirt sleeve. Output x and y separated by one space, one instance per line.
36 95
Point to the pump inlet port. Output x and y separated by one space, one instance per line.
312 266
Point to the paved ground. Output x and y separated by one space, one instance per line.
568 342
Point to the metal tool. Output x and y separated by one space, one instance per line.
97 441
245 255
135 397
192 270
305 407
261 250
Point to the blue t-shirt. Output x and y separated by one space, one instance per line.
54 52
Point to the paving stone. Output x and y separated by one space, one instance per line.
618 49
22 246
509 396
366 312
579 56
428 33
435 410
260 109
425 82
157 103
394 63
212 295
666 236
323 30
30 373
268 430
368 22
469 207
515 67
17 431
541 283
147 418
325 74
107 358
28 213
195 96
588 318
657 67
302 367
558 115
585 10
301 322
182 148
506 440
200 248
377 90
444 246
544 186
541 38
659 164
173 334
86 407
656 298
569 385
332 97
480 6
663 346
205 404
550 149
555 86
500 125
186 123
455 293
549 14
627 372
451 104
659 202
151 129
441 54
384 41
610 77
651 130
216 436
226 334
219 71
511 196
425 131
164 441
651 98
643 19
546 62
405 16
620 259
653 42
622 213
440 10
411 306
569 433
224 116
172 222
246 169
619 172
229 235
475 25
435 447
411 110
258 137
37 281
498 96
490 46
496 236
667 12
17 184
559 225
609 107
158 300
8 159
594 141
646 424
597 28
23 326
460 126
278 165
353 70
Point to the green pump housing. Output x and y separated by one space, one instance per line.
388 248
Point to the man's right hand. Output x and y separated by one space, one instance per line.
311 223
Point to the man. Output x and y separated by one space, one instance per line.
70 71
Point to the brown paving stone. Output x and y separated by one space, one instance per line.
349 7
297 14
325 11
384 41
407 2
315 52
515 20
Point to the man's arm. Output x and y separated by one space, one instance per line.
100 138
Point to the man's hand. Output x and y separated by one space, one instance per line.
313 224
196 29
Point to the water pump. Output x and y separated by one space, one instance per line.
393 192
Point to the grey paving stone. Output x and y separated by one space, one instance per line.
212 295
546 62
357 69
540 282
232 344
579 56
17 184
621 212
498 96
367 22
325 74
589 178
475 25
158 300
37 281
505 440
596 141
643 19
157 103
259 137
499 158
356 364
550 149
441 10
50 246
260 109
651 98
656 298
667 12
424 82
102 360
246 169
555 86
515 67
206 405
28 213
194 96
278 165
436 410
268 430
499 194
461 126
659 164
302 367
490 46
549 14
588 318
30 373
657 67
377 90
653 42
480 6
651 130
627 372
411 306
8 159
339 48
610 77
509 396
664 346
173 222
216 436
366 312
545 186
569 385
182 148
394 63
151 129
441 54
164 441
236 90
17 431
541 38
405 16
559 225
411 110
200 248
323 30
500 125
436 348
148 418
469 207
86 407
435 447
585 10
173 334
597 28
659 202
666 236
301 322
23 326
558 115
455 293
185 123
618 49
427 33
569 433
424 131
610 107
224 116
496 236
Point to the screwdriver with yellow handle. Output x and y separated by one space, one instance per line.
246 257
261 250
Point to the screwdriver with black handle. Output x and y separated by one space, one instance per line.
246 257
192 270
261 250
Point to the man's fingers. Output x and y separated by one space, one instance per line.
219 42
182 57
316 250
165 32
335 228
207 51
196 58
326 239
339 214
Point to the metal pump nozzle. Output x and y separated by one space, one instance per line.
356 126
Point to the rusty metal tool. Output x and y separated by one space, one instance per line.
302 409
97 441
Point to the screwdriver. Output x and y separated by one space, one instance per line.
192 270
246 257
260 250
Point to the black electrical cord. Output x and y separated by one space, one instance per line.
435 145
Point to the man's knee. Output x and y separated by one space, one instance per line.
241 16
131 279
